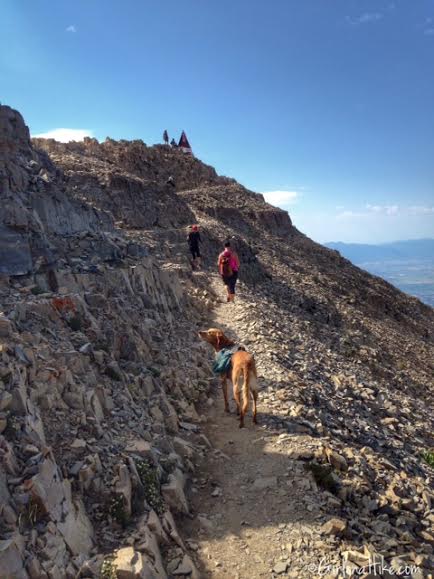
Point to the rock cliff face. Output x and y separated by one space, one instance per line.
122 179
39 223
104 386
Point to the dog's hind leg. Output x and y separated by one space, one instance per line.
254 392
235 379
255 399
245 396
225 393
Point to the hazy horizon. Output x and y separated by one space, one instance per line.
407 264
383 243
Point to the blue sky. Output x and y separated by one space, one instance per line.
327 106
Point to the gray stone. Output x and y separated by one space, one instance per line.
173 492
12 557
6 327
280 567
265 482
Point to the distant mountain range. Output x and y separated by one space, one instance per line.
409 265
396 250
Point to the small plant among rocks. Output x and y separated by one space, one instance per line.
150 482
37 290
154 371
108 570
324 476
7 377
428 457
14 426
75 324
31 515
134 390
117 510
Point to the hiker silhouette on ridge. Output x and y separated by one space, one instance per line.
166 137
171 181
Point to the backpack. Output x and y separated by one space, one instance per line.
226 267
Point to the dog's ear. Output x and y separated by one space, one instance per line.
220 339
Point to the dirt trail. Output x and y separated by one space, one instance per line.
257 513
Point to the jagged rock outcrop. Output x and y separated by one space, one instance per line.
101 176
103 378
240 209
40 223
152 164
89 407
129 179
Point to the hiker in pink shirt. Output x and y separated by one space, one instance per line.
229 264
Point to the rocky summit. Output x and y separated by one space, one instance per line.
117 459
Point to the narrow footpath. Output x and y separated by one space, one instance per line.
257 512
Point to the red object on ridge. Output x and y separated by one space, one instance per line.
184 145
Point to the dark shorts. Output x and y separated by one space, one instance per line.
231 282
195 252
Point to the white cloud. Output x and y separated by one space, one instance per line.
65 135
429 32
348 214
365 18
71 28
369 211
281 198
392 210
374 208
421 210
369 17
383 209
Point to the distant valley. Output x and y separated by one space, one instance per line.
409 265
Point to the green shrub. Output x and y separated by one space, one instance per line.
118 511
428 457
151 484
108 570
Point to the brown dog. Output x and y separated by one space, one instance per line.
242 365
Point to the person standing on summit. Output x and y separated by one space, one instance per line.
229 264
193 243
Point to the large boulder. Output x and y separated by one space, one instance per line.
131 564
12 558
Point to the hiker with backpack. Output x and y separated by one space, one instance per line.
229 264
194 240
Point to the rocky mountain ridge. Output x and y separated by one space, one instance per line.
105 388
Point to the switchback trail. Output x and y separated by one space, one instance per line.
257 510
